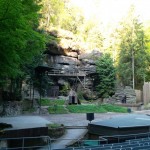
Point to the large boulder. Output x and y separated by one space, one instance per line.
124 91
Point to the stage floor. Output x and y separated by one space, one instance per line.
128 124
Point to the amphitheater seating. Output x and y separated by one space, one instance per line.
90 142
132 144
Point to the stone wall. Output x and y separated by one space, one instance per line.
11 108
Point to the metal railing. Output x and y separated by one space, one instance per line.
127 136
22 143
49 143
64 72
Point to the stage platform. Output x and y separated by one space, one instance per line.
128 124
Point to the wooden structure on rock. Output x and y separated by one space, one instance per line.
76 74
68 58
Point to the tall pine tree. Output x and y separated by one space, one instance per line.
132 57
106 76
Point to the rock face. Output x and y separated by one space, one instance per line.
121 92
62 63
68 57
13 108
71 65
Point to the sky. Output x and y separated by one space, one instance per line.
109 11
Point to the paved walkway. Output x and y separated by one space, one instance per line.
20 122
71 136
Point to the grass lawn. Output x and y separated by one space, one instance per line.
47 102
114 108
95 108
85 109
58 107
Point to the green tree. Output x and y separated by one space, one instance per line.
132 61
52 13
106 76
72 19
61 14
91 34
20 40
147 44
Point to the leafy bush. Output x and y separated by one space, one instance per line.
65 90
106 76
54 125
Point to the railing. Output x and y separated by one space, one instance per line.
61 72
49 143
23 143
65 142
74 143
127 136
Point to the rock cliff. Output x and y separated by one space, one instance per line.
69 57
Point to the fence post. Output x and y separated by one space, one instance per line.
146 92
23 143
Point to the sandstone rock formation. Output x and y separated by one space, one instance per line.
68 56
128 92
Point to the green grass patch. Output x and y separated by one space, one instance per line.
57 109
54 125
47 102
114 108
95 108
85 109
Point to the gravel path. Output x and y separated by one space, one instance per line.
78 119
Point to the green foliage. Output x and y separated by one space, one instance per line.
47 102
147 44
114 108
91 34
95 108
85 109
57 109
73 19
54 125
80 95
52 13
106 76
65 89
61 14
132 50
19 38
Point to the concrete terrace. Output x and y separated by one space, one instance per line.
21 122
